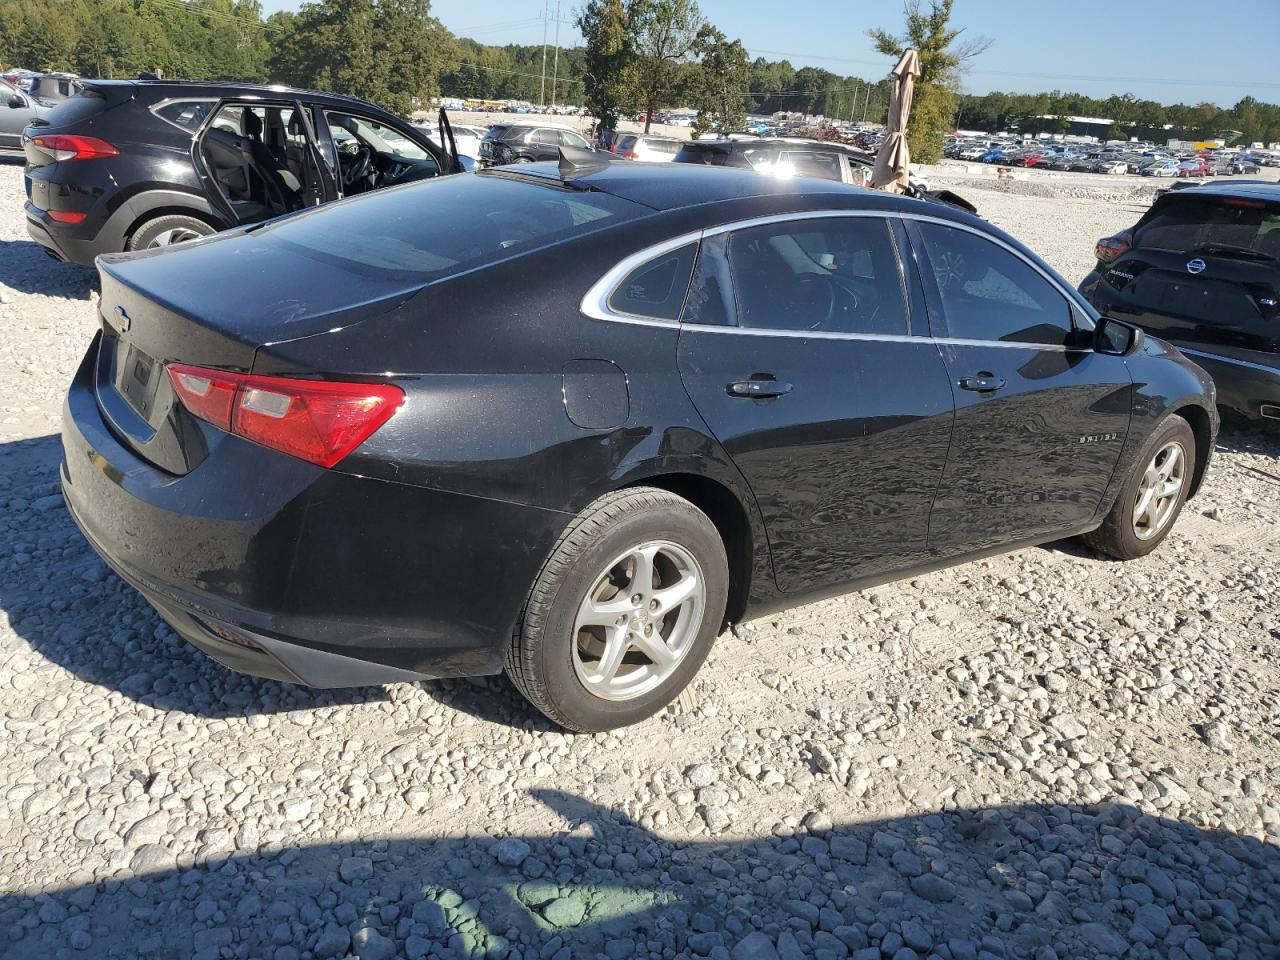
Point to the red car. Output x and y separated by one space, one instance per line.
1199 167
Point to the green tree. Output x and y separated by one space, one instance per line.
719 83
666 34
609 61
942 55
387 51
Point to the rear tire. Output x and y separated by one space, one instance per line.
1152 496
607 637
167 230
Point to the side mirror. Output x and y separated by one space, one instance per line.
1117 338
468 165
17 101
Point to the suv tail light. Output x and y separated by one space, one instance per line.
320 421
1108 248
62 147
630 155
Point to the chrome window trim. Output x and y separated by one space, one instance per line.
156 107
595 303
1262 367
883 337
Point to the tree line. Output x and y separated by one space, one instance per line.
1249 121
637 56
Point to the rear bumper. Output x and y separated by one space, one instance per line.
280 569
43 231
1249 387
1248 384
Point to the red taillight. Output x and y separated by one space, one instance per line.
630 155
66 216
64 146
315 420
1108 248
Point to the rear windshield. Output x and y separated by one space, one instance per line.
82 106
1190 223
703 153
448 225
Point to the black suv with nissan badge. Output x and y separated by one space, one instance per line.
1201 270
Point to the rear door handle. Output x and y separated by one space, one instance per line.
758 389
982 383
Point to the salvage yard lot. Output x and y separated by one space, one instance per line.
1041 755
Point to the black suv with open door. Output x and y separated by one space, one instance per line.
1201 270
127 165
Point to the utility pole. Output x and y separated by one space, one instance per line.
853 107
866 103
542 89
555 68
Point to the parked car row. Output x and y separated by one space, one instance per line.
1137 159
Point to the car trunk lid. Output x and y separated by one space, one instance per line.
213 304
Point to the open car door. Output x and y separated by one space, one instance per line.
450 145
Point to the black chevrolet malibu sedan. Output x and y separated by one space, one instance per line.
570 422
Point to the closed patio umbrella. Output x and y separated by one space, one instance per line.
890 172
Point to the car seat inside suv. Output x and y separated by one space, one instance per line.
255 178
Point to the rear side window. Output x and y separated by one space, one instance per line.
444 226
1191 223
656 289
826 276
810 163
187 114
987 293
699 153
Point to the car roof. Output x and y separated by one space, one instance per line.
1239 189
674 186
162 89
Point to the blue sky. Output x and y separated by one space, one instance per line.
1170 50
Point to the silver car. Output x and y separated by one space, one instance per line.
17 110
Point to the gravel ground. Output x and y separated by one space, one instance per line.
1043 755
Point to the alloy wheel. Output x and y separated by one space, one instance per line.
166 238
638 621
1159 490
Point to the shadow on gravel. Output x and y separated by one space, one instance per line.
28 269
1014 882
72 610
1260 437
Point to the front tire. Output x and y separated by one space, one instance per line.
1152 496
167 230
623 613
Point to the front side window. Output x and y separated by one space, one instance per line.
656 289
347 129
988 293
837 275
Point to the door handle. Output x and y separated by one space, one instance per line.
758 389
982 383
